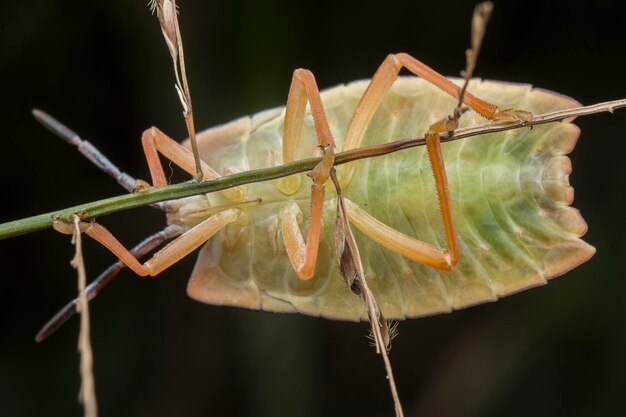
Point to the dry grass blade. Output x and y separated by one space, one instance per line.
352 270
167 13
482 13
481 16
87 393
347 251
392 330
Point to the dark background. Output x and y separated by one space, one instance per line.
103 68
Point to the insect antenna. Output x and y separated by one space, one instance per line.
86 148
129 184
89 151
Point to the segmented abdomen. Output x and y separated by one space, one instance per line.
510 195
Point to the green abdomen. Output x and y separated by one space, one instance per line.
510 195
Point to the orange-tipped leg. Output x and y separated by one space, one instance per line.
304 88
169 254
303 256
404 245
155 141
382 81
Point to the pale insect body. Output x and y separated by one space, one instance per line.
510 194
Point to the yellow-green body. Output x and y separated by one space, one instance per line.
510 194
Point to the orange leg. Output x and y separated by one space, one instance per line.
380 84
169 254
304 88
404 245
154 141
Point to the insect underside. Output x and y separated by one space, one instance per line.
510 194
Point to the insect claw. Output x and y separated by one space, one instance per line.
198 177
141 186
67 228
458 112
512 115
447 124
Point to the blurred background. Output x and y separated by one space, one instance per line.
103 69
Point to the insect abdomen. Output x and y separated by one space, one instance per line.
510 195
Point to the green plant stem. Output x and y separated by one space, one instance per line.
111 205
